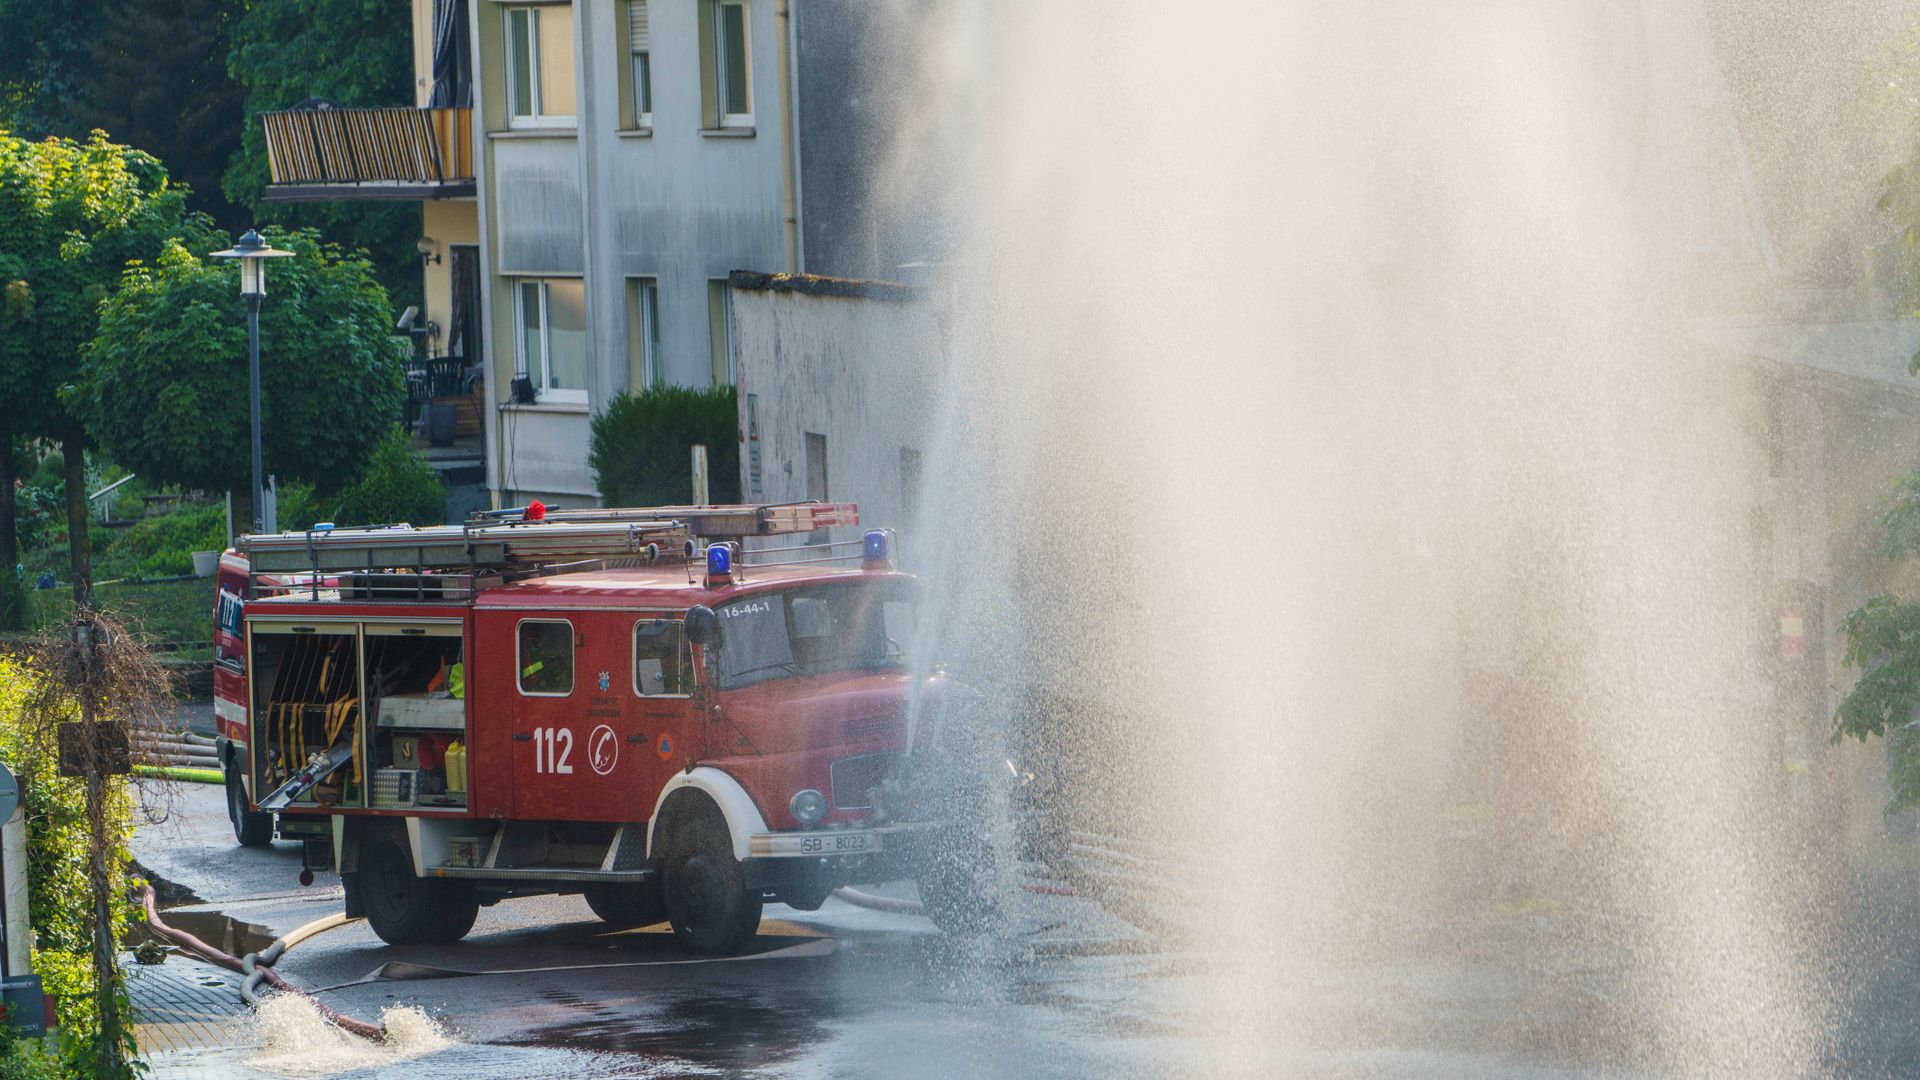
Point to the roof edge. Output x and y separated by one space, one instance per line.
820 285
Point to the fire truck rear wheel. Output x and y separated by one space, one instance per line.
626 905
407 910
712 911
251 828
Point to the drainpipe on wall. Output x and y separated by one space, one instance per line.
789 201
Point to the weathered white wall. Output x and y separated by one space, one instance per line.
861 371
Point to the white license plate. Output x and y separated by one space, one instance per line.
833 843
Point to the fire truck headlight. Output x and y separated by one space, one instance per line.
808 806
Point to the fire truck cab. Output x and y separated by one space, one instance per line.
621 703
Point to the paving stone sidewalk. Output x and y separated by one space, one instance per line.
184 1004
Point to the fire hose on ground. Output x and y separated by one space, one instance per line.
898 906
258 967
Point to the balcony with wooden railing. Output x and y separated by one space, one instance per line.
369 153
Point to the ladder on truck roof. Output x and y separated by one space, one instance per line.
510 540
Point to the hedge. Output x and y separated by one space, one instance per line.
641 449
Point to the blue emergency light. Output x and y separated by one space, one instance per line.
873 551
719 561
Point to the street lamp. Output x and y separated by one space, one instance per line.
253 253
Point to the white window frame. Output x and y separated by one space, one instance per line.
646 330
519 667
537 119
541 372
640 90
731 119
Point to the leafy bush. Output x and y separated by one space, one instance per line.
51 473
164 546
398 485
60 904
641 449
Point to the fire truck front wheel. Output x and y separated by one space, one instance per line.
408 910
712 910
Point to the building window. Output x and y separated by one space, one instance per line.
639 73
817 479
726 72
540 66
643 333
816 467
550 319
720 331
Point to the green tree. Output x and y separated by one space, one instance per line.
352 53
1883 642
42 51
164 381
641 447
72 215
156 78
152 76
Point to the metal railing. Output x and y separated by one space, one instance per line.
362 146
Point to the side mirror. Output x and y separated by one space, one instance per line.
703 627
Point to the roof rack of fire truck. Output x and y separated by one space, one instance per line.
453 562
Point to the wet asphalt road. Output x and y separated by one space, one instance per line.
542 989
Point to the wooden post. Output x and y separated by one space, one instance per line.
699 475
106 973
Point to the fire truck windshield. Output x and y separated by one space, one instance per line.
814 630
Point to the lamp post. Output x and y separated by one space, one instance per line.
253 253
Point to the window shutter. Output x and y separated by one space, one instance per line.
637 32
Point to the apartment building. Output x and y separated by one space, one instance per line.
590 173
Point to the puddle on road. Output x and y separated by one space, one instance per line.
729 1033
223 932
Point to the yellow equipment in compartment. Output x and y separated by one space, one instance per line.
456 763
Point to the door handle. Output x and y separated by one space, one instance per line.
521 736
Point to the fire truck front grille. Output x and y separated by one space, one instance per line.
868 727
855 778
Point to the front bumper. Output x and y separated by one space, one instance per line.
811 863
892 839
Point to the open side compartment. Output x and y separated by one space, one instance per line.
419 735
307 712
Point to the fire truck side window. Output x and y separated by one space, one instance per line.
545 657
661 665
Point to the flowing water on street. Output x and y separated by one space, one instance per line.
297 1041
1320 438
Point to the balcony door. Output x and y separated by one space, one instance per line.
466 338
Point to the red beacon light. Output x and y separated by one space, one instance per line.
536 511
874 550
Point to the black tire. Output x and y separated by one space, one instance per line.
407 910
626 905
252 828
712 911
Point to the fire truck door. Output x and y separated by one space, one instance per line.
663 686
574 714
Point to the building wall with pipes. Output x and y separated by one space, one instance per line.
614 201
837 383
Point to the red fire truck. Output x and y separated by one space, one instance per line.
622 703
